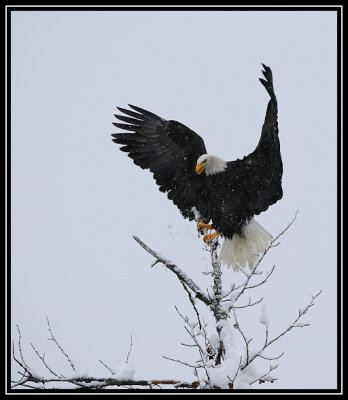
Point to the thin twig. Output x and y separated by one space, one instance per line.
192 301
265 377
236 373
261 282
246 341
288 329
271 358
182 362
107 367
253 271
250 304
60 347
130 348
294 324
42 358
20 347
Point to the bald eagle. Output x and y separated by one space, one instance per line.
226 193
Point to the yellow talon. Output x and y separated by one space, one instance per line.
210 237
202 225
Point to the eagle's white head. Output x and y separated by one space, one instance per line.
210 164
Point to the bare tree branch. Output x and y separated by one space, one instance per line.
236 373
294 324
183 362
249 304
177 271
107 367
193 303
216 352
266 377
20 348
271 358
60 347
130 348
42 358
246 341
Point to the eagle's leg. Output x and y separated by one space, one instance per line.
202 225
210 237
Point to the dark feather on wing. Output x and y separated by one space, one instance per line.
169 150
252 184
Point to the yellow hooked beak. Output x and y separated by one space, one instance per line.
200 168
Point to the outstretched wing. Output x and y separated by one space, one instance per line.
169 150
263 168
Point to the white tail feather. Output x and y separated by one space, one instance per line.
242 250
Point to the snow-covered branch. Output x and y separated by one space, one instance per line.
266 377
295 323
176 270
226 352
268 342
223 364
121 376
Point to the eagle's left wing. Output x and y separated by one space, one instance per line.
262 169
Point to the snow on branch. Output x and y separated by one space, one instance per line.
226 352
176 270
223 365
264 320
122 376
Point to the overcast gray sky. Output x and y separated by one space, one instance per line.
77 200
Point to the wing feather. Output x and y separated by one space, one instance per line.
169 150
261 171
254 183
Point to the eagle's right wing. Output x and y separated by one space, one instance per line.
170 151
